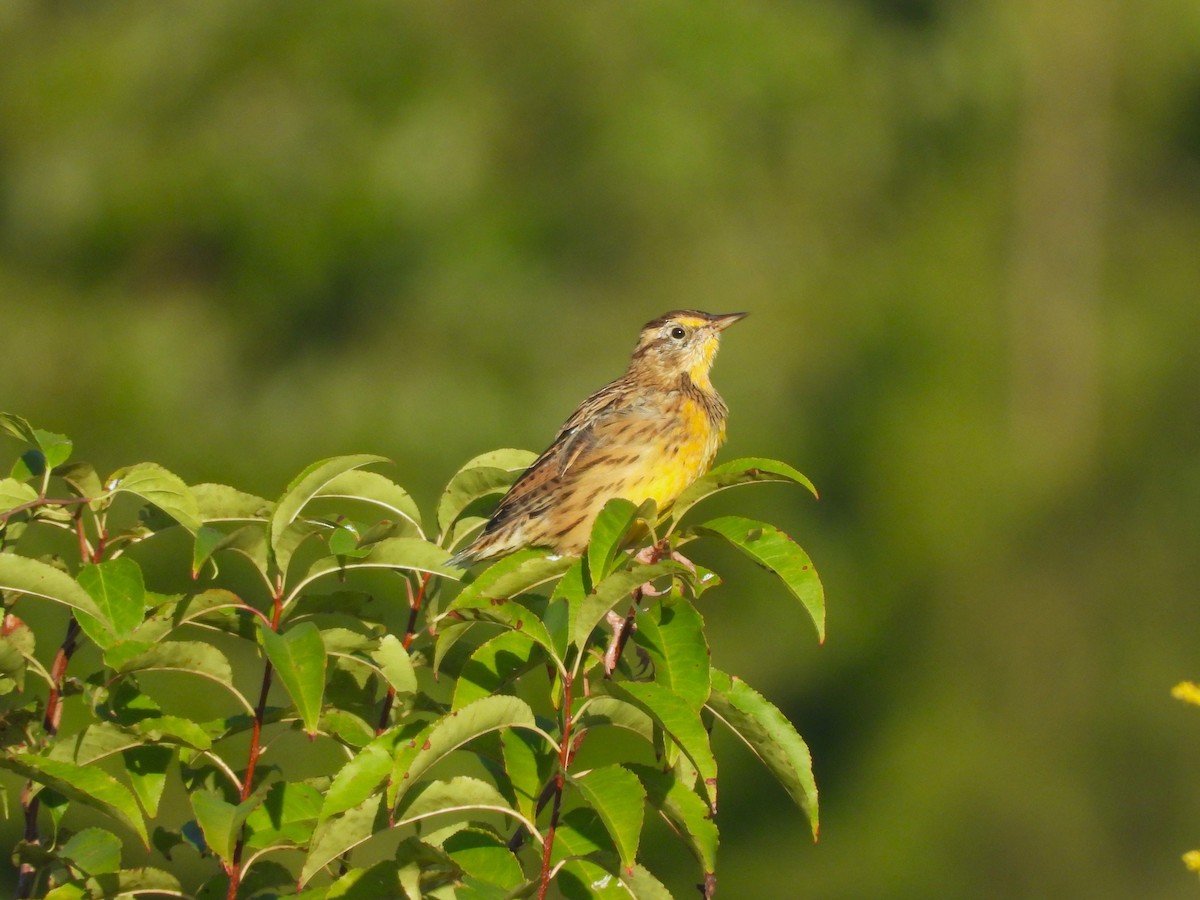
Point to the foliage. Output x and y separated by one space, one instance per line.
304 671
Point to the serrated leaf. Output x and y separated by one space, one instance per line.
619 799
612 590
748 470
15 493
488 473
770 737
287 815
441 738
493 664
303 488
335 836
165 490
678 720
222 503
146 767
37 579
684 811
93 851
581 832
82 479
193 657
484 856
378 491
18 427
395 664
609 531
298 656
528 762
407 553
84 784
458 794
770 547
127 883
672 633
117 587
516 574
95 742
359 777
609 711
218 820
175 730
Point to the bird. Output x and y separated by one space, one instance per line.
648 435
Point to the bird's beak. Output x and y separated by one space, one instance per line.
724 320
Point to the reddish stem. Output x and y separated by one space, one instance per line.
414 608
234 868
564 760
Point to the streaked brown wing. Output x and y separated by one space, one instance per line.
588 428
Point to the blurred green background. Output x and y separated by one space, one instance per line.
237 237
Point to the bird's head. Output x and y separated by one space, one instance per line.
682 341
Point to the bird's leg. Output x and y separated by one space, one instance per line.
623 626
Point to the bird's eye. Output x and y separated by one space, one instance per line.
678 332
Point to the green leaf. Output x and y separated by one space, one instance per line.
287 815
749 470
483 855
93 851
84 784
516 574
408 553
298 656
173 729
770 547
359 777
129 883
396 665
458 795
146 767
37 579
220 821
493 664
303 488
94 742
672 634
156 485
193 657
117 587
619 799
770 737
441 738
222 503
528 762
488 473
581 832
378 491
49 449
678 720
609 531
82 479
510 613
18 427
609 711
14 493
335 836
684 811
614 589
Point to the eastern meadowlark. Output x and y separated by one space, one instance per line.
646 436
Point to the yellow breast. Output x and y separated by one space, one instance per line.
677 456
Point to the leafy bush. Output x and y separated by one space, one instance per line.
301 676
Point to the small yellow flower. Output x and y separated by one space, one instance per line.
1191 859
1188 692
